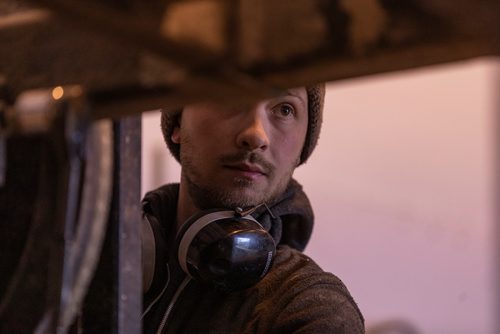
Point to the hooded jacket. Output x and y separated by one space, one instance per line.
296 296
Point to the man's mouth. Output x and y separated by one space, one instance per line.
247 168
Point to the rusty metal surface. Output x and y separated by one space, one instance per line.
158 53
84 243
33 214
113 303
54 220
129 272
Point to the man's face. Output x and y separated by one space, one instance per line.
241 155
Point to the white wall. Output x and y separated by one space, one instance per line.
402 187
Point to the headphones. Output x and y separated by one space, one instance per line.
226 249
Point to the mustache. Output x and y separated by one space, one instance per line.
250 157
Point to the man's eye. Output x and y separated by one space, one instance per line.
285 110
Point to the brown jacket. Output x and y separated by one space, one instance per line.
296 296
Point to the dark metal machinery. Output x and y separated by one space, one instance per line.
75 76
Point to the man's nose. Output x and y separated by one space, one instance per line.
254 133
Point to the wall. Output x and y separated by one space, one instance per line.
402 187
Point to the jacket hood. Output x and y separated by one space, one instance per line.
289 220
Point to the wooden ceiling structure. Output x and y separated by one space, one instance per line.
113 59
139 55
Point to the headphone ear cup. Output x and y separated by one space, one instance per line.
154 254
148 246
224 250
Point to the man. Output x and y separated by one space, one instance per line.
243 156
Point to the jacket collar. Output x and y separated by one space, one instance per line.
291 222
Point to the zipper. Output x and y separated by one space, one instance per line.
171 305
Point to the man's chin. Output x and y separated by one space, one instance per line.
230 194
247 196
243 199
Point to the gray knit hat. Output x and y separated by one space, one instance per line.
315 97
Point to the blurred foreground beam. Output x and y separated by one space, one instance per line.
139 56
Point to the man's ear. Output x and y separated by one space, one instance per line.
176 135
176 132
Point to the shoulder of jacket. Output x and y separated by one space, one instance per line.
297 287
294 268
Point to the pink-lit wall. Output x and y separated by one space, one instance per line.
402 187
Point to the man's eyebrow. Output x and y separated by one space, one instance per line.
290 92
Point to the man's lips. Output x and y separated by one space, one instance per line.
247 165
247 168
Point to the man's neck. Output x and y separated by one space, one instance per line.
185 206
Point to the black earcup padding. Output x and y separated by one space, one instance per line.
225 250
148 246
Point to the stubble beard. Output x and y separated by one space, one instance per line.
206 195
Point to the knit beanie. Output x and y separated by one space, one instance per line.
315 101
